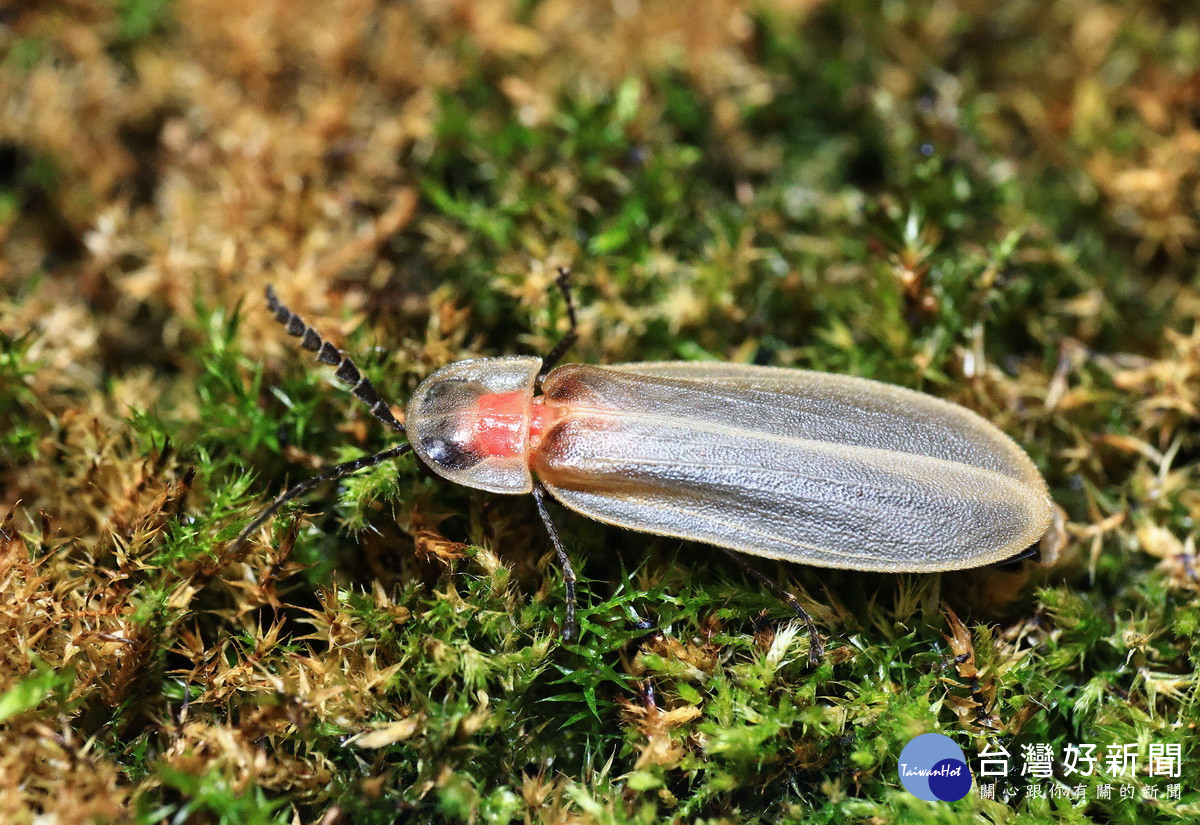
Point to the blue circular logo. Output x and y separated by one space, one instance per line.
933 767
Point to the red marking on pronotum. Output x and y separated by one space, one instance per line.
498 427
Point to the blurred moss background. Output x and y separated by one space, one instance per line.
994 203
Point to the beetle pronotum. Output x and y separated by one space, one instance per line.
809 467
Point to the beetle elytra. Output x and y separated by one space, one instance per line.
820 469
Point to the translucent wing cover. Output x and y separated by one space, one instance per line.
442 422
811 467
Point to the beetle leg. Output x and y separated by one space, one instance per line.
485 518
333 473
327 353
560 349
815 649
1014 561
568 630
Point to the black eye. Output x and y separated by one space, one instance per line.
451 394
451 454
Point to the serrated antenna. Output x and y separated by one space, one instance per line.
327 353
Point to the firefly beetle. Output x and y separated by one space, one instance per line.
820 469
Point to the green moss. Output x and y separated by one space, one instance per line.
990 210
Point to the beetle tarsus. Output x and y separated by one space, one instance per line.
1028 553
816 649
563 281
568 628
332 474
327 353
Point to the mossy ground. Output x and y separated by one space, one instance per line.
994 203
